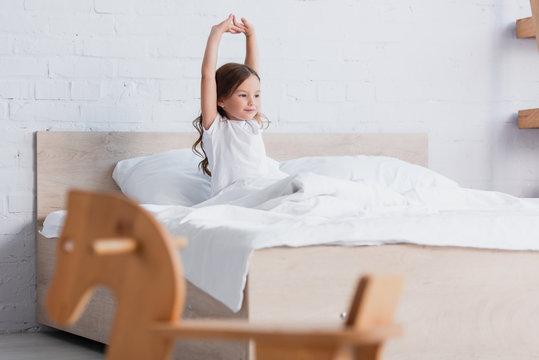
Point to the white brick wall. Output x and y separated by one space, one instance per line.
16 89
451 69
85 90
52 90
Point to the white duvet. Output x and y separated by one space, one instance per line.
306 209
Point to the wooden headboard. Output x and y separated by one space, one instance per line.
85 160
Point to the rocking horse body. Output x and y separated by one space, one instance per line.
109 240
97 244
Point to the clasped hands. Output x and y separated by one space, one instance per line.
231 25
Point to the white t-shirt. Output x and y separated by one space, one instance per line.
235 150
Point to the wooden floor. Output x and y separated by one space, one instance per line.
56 345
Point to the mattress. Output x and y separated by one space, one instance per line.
224 232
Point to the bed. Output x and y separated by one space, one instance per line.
457 302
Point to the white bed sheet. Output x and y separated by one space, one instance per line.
308 209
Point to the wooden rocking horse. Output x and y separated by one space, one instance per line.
109 240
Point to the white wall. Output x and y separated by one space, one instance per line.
452 69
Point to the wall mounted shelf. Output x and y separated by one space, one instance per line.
528 119
528 28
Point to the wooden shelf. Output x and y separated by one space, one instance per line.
528 119
529 28
526 28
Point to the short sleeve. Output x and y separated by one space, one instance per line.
214 124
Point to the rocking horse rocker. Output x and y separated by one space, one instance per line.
109 240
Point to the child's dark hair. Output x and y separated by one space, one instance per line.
227 78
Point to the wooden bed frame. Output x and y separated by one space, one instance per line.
109 239
457 302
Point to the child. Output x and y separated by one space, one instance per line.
229 127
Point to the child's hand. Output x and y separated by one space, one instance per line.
247 27
228 25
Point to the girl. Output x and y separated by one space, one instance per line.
229 127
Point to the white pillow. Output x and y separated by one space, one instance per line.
166 178
396 174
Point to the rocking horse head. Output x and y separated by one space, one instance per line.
109 240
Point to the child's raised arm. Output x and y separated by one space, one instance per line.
208 97
251 55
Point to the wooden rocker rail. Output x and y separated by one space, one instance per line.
109 240
240 330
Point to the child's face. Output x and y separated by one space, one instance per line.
244 103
